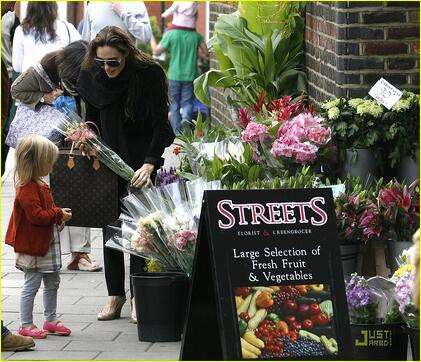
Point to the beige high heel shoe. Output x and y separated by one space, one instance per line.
112 309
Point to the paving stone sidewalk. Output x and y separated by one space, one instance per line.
80 297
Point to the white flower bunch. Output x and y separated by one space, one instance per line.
332 103
370 107
333 113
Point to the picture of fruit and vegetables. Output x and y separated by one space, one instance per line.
285 321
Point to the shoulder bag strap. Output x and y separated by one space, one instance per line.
40 70
68 32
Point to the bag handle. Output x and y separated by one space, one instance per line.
71 161
68 32
95 126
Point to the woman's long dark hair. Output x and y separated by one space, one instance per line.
116 38
70 62
40 18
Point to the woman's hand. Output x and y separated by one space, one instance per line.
142 175
49 98
67 214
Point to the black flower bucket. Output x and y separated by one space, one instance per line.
161 302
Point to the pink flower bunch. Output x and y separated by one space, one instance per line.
144 239
80 133
357 218
399 206
370 223
184 237
253 132
298 137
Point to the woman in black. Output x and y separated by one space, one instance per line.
126 95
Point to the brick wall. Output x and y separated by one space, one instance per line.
219 110
350 45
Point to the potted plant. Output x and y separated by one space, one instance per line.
253 57
376 335
357 220
357 131
401 137
399 209
404 284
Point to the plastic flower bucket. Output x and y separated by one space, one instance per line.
379 342
161 302
414 337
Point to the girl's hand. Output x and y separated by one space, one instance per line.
61 226
142 175
49 98
67 214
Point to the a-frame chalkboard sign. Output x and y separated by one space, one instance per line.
267 281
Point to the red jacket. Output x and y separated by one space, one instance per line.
34 213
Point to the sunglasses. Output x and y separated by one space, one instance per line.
111 63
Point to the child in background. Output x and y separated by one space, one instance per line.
183 44
33 232
184 15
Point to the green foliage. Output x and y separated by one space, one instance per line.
251 64
202 130
265 16
301 179
232 171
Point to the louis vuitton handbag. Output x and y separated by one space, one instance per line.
86 186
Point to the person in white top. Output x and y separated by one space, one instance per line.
39 34
132 17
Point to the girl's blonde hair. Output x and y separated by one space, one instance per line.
34 156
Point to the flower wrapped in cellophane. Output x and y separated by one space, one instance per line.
160 224
76 130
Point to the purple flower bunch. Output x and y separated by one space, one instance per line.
166 177
362 301
403 289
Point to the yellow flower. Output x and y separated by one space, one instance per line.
403 269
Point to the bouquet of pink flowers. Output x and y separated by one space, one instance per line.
76 130
281 133
160 224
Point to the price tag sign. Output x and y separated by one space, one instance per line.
385 93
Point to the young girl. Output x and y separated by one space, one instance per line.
184 15
33 232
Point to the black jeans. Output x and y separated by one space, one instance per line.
115 270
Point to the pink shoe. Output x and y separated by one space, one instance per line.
32 332
56 328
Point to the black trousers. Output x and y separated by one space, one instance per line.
4 152
115 269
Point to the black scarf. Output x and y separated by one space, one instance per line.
108 95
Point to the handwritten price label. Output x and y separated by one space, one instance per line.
385 93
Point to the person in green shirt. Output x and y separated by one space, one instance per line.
183 46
